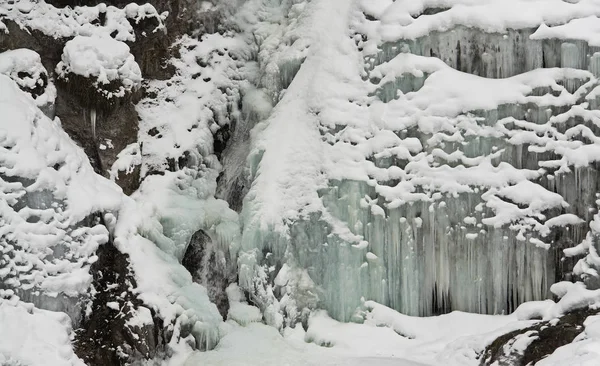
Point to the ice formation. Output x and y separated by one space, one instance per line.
427 160
365 158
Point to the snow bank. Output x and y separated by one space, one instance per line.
50 194
32 336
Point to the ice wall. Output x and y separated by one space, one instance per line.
460 154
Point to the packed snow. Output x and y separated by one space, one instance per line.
31 336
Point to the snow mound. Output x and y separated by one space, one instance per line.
239 310
34 337
104 60
25 67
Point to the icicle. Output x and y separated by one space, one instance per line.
93 122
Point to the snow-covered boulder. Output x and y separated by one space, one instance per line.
25 67
100 67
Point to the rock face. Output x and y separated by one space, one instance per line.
529 345
107 335
76 104
210 269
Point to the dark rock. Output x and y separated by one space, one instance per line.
49 48
116 125
548 337
105 337
209 268
221 137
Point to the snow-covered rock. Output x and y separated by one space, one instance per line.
107 62
50 198
25 67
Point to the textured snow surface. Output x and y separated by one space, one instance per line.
31 336
49 193
79 20
386 338
103 59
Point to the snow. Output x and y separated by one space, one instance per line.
156 224
79 20
376 342
48 189
15 63
239 310
103 59
35 337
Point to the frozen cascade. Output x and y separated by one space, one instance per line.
493 55
455 184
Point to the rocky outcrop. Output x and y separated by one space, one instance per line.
109 334
78 105
529 345
209 268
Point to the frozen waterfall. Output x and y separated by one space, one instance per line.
448 170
